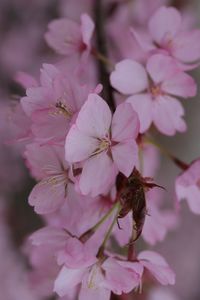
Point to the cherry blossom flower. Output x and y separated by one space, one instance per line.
98 277
168 35
104 144
152 91
67 37
48 165
93 161
188 186
53 105
79 213
41 248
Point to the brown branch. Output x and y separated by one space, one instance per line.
99 15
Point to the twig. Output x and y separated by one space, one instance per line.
99 16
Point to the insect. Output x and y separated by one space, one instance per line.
132 198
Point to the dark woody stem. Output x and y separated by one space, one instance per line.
131 252
179 3
100 19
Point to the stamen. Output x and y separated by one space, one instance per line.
91 280
104 144
61 109
155 91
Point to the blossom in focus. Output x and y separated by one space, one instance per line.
187 186
97 277
104 144
154 90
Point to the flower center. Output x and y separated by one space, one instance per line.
62 109
155 91
104 144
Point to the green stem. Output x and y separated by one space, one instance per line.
92 230
102 58
107 236
182 165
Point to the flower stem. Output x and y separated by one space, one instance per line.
182 165
100 19
107 236
92 230
102 58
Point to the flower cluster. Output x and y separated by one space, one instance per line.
87 125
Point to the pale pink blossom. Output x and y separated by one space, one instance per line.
154 90
48 165
79 213
53 105
166 34
41 249
188 186
97 277
68 37
104 144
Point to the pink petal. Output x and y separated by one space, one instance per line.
98 174
93 285
129 77
143 39
87 29
191 194
36 99
49 236
94 293
94 118
76 254
181 84
67 279
143 106
46 197
120 278
64 36
48 127
187 187
125 156
157 266
26 80
167 115
48 73
43 160
186 46
78 145
125 123
161 67
164 23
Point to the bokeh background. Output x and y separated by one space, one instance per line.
22 48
